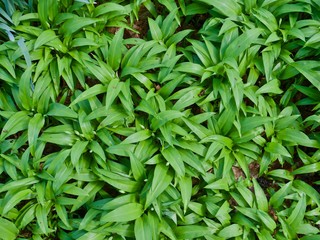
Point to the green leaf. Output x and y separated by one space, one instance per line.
42 220
89 217
192 232
185 184
108 7
267 220
277 148
4 61
92 236
308 190
277 198
267 18
17 122
138 170
155 30
25 88
142 228
311 168
11 200
8 229
161 180
34 127
45 37
231 231
173 157
164 117
125 213
270 87
281 173
312 75
89 93
218 184
77 150
115 50
75 23
189 67
18 184
260 196
220 139
137 137
242 43
297 137
60 110
297 215
229 8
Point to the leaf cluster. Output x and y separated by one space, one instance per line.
159 119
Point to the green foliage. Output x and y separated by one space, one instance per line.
159 119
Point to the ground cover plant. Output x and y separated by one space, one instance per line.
159 119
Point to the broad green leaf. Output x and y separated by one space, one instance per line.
123 184
4 61
218 184
291 8
8 229
107 8
297 137
91 188
260 196
164 117
231 231
121 149
76 151
242 43
90 215
277 148
311 168
137 168
45 37
25 89
18 184
75 23
267 220
281 173
17 122
178 37
308 190
311 74
189 67
92 236
267 18
297 215
161 180
34 127
220 139
229 8
169 25
89 93
125 213
173 157
307 229
137 137
42 220
65 136
142 228
270 87
115 50
192 231
185 184
277 198
11 200
155 30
